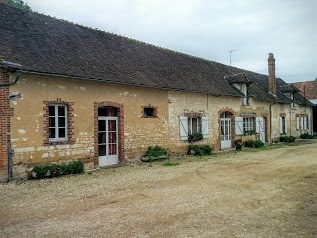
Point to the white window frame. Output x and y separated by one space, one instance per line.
282 125
242 87
190 125
56 116
248 124
184 124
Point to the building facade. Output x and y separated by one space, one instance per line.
103 99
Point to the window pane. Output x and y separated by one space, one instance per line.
61 132
111 125
52 122
102 150
102 112
194 125
112 149
112 137
149 112
189 125
61 110
52 133
51 110
102 125
102 138
61 122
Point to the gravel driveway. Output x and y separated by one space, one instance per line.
254 193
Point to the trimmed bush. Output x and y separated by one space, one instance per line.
200 150
306 136
56 170
195 137
155 151
253 143
287 139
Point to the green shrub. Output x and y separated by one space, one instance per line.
155 151
195 137
56 170
253 143
287 139
306 136
200 150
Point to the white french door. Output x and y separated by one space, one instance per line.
260 128
108 140
225 130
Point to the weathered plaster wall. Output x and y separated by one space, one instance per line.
211 106
28 122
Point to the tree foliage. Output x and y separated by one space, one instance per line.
19 4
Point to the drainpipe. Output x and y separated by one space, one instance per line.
290 120
271 122
12 67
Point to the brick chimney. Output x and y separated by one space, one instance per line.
272 81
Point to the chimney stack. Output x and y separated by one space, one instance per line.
272 81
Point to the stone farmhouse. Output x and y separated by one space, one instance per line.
309 90
72 92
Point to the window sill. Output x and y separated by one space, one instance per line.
58 142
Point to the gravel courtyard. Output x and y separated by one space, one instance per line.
253 193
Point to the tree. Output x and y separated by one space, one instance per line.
19 4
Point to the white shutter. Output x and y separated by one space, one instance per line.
302 123
285 125
281 125
297 123
239 125
183 127
305 122
204 127
258 124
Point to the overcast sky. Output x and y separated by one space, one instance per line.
209 29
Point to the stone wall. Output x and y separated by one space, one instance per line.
29 126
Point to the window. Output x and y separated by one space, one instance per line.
149 111
242 87
190 125
282 125
193 126
302 122
248 124
57 122
290 95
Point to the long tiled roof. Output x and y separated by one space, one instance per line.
44 44
308 88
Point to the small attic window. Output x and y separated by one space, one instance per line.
242 87
149 112
290 95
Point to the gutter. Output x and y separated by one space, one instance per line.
11 67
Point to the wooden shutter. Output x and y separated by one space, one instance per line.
204 127
305 122
183 128
297 123
239 125
281 125
302 123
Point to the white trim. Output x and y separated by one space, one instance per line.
56 116
204 127
183 128
239 125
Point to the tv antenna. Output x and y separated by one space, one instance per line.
230 52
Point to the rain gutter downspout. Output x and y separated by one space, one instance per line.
271 122
11 67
